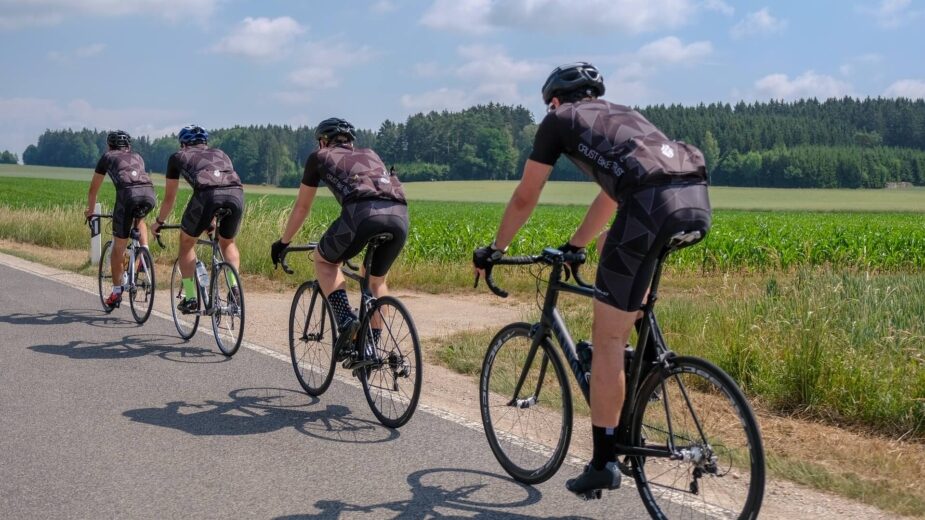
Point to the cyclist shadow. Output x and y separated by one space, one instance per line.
439 493
133 346
92 317
253 411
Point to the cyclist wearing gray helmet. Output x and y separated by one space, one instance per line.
659 186
372 202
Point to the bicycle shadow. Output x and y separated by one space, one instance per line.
133 346
92 317
254 411
470 492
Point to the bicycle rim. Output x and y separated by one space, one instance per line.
141 296
311 339
104 277
722 473
529 433
393 383
186 324
227 309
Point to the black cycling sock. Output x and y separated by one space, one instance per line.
341 306
605 441
377 333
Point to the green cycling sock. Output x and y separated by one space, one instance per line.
189 288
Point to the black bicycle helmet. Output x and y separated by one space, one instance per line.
334 126
118 139
566 79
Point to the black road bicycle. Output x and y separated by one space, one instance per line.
138 271
219 292
687 435
388 366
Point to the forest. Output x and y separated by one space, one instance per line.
837 143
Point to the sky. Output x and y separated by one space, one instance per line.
152 66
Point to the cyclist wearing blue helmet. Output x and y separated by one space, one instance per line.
134 199
215 186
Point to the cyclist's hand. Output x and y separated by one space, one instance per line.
156 228
485 256
569 249
87 213
276 250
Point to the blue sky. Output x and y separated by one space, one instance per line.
152 66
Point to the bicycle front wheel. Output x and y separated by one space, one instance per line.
104 278
311 339
529 431
186 324
694 411
141 296
227 309
392 382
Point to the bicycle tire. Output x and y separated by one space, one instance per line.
721 443
227 309
311 347
104 274
186 324
399 353
144 287
527 460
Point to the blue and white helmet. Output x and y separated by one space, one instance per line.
193 134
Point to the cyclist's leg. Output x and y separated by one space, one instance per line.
196 219
232 199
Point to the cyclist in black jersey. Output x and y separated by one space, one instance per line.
134 196
372 201
660 189
216 186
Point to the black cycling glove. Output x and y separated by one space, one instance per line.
276 250
569 249
485 256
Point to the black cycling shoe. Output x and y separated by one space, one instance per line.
114 300
346 335
589 484
188 306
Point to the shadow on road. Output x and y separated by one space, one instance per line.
92 317
133 346
262 410
439 493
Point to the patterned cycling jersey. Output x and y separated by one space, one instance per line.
203 167
352 175
125 167
594 135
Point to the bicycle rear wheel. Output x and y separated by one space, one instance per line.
311 339
186 324
695 411
529 432
227 309
392 384
104 278
141 296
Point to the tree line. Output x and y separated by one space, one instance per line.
844 142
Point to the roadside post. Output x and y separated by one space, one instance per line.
95 236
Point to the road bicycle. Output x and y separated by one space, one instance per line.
137 274
219 293
687 435
388 362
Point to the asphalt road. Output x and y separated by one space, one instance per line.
101 418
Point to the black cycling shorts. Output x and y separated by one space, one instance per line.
645 222
203 205
131 203
360 221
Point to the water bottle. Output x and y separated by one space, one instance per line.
585 351
202 275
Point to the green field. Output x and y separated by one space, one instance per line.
897 200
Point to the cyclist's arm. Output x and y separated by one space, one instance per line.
94 189
170 196
522 202
303 205
599 214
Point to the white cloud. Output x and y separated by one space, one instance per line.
19 14
758 23
439 99
907 88
671 50
808 84
322 64
491 64
24 119
79 53
892 13
629 83
314 78
629 16
863 61
261 38
383 6
719 6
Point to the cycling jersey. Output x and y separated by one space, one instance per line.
352 175
125 167
203 168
